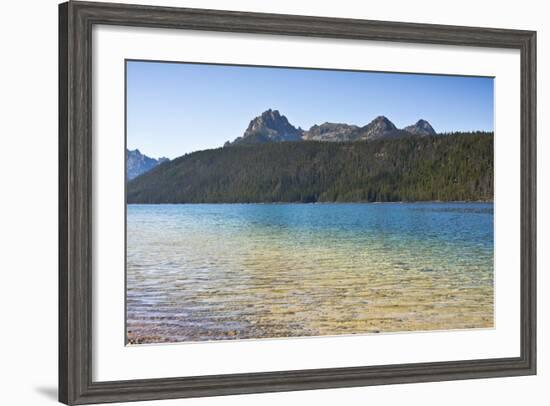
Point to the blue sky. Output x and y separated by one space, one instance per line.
176 108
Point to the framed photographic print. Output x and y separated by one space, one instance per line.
259 202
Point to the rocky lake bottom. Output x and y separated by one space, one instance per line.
248 271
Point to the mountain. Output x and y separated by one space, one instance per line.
380 127
452 167
422 127
335 132
270 126
138 163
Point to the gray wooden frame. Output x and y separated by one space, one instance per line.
76 20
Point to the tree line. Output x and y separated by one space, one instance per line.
451 167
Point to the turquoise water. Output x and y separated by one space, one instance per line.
216 271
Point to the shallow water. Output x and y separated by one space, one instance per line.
230 271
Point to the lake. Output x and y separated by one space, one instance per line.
241 271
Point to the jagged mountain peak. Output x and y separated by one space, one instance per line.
273 114
270 126
269 121
380 127
382 122
138 163
421 127
382 119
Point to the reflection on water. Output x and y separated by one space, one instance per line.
215 271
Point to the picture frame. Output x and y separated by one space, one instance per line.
76 352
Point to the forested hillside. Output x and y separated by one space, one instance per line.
453 167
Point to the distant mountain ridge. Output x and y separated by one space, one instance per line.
138 163
272 126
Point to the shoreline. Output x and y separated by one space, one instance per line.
325 203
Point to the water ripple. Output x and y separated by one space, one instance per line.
215 272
